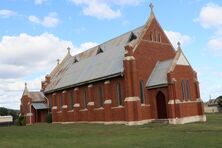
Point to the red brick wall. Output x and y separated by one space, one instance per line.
184 73
146 54
117 114
190 109
149 52
25 107
152 93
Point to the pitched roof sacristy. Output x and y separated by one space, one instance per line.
92 66
35 96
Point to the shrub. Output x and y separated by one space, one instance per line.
49 118
21 121
219 101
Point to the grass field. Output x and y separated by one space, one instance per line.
196 135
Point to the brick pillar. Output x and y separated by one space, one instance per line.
171 102
64 106
132 100
108 101
54 108
76 104
177 100
91 104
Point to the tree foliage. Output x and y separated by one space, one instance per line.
21 121
219 101
7 112
3 111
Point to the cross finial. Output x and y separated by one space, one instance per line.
151 7
179 45
58 61
68 48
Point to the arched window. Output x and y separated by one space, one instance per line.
188 90
185 87
61 100
142 96
155 36
101 96
85 100
71 99
118 94
159 38
151 36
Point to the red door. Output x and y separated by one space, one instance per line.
161 106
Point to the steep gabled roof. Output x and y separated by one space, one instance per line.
35 96
180 59
159 75
147 25
92 66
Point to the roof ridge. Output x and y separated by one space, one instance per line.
109 40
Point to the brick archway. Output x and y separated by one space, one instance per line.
161 106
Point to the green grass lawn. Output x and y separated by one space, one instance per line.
196 135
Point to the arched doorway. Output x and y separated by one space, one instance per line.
161 106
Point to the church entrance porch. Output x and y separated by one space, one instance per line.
161 106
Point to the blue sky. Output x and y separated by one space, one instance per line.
34 33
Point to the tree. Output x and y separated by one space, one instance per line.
3 111
219 101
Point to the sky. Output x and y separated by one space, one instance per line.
35 33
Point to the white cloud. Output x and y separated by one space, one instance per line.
116 2
11 91
51 20
83 47
39 2
210 16
4 13
26 58
176 37
101 9
125 2
215 45
24 54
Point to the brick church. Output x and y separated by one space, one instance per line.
133 79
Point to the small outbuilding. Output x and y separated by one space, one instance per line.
34 106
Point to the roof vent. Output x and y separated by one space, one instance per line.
99 50
132 37
75 60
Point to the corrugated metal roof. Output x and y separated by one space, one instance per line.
37 96
159 73
90 65
39 106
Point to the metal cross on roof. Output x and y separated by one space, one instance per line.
179 45
68 49
151 6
